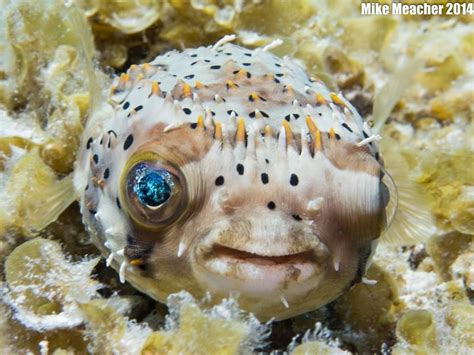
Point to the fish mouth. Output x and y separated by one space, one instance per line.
260 273
237 255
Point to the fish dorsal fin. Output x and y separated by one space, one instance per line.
409 220
86 49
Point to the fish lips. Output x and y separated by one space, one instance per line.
292 265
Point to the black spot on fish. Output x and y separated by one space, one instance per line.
219 181
128 142
294 180
345 125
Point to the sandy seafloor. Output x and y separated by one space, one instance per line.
58 297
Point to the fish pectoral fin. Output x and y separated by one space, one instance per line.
60 196
410 220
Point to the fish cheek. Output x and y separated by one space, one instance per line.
350 221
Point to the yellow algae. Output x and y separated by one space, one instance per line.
439 75
417 330
317 347
460 318
445 249
198 333
109 331
443 176
129 16
193 327
371 32
43 287
30 176
462 268
371 309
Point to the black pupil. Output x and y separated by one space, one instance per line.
152 188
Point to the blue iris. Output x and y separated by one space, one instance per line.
153 187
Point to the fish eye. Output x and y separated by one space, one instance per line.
153 187
153 193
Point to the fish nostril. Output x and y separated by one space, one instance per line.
296 217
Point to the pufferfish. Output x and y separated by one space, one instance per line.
224 170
